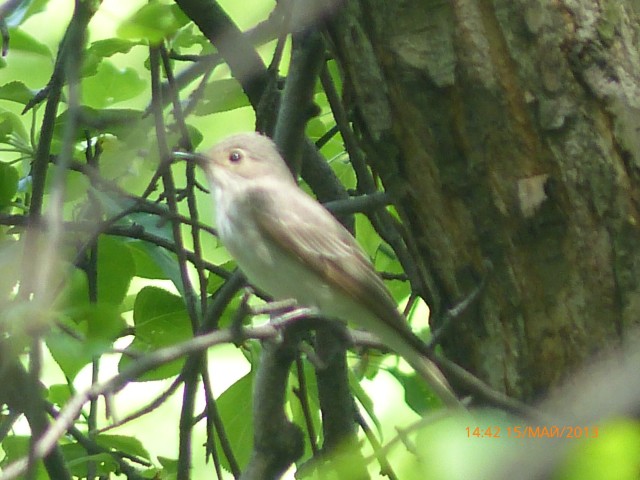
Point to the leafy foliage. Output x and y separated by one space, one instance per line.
114 272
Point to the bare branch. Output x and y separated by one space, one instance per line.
69 413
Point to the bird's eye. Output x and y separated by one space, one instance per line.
235 156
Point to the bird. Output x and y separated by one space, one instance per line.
291 247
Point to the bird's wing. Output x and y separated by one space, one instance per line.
310 233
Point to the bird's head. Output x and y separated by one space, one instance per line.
242 156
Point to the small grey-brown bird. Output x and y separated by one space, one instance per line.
289 246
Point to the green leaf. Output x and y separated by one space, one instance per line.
153 22
221 96
164 329
214 282
368 238
153 224
97 326
162 259
169 465
75 291
417 394
168 262
315 128
387 261
69 353
78 461
102 49
237 420
11 127
99 323
152 303
334 151
16 447
123 123
123 443
24 42
110 46
115 270
8 184
104 324
24 10
162 372
16 92
399 289
145 261
58 394
111 85
187 38
195 135
111 204
160 319
76 186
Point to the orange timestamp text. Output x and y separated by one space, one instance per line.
530 431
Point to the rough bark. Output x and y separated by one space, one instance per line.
515 126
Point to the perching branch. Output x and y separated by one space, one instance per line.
277 442
296 106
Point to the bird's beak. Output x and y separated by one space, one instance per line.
197 158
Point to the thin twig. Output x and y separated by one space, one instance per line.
73 407
190 380
185 142
148 408
303 396
210 411
379 452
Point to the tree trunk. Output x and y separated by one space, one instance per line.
507 131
